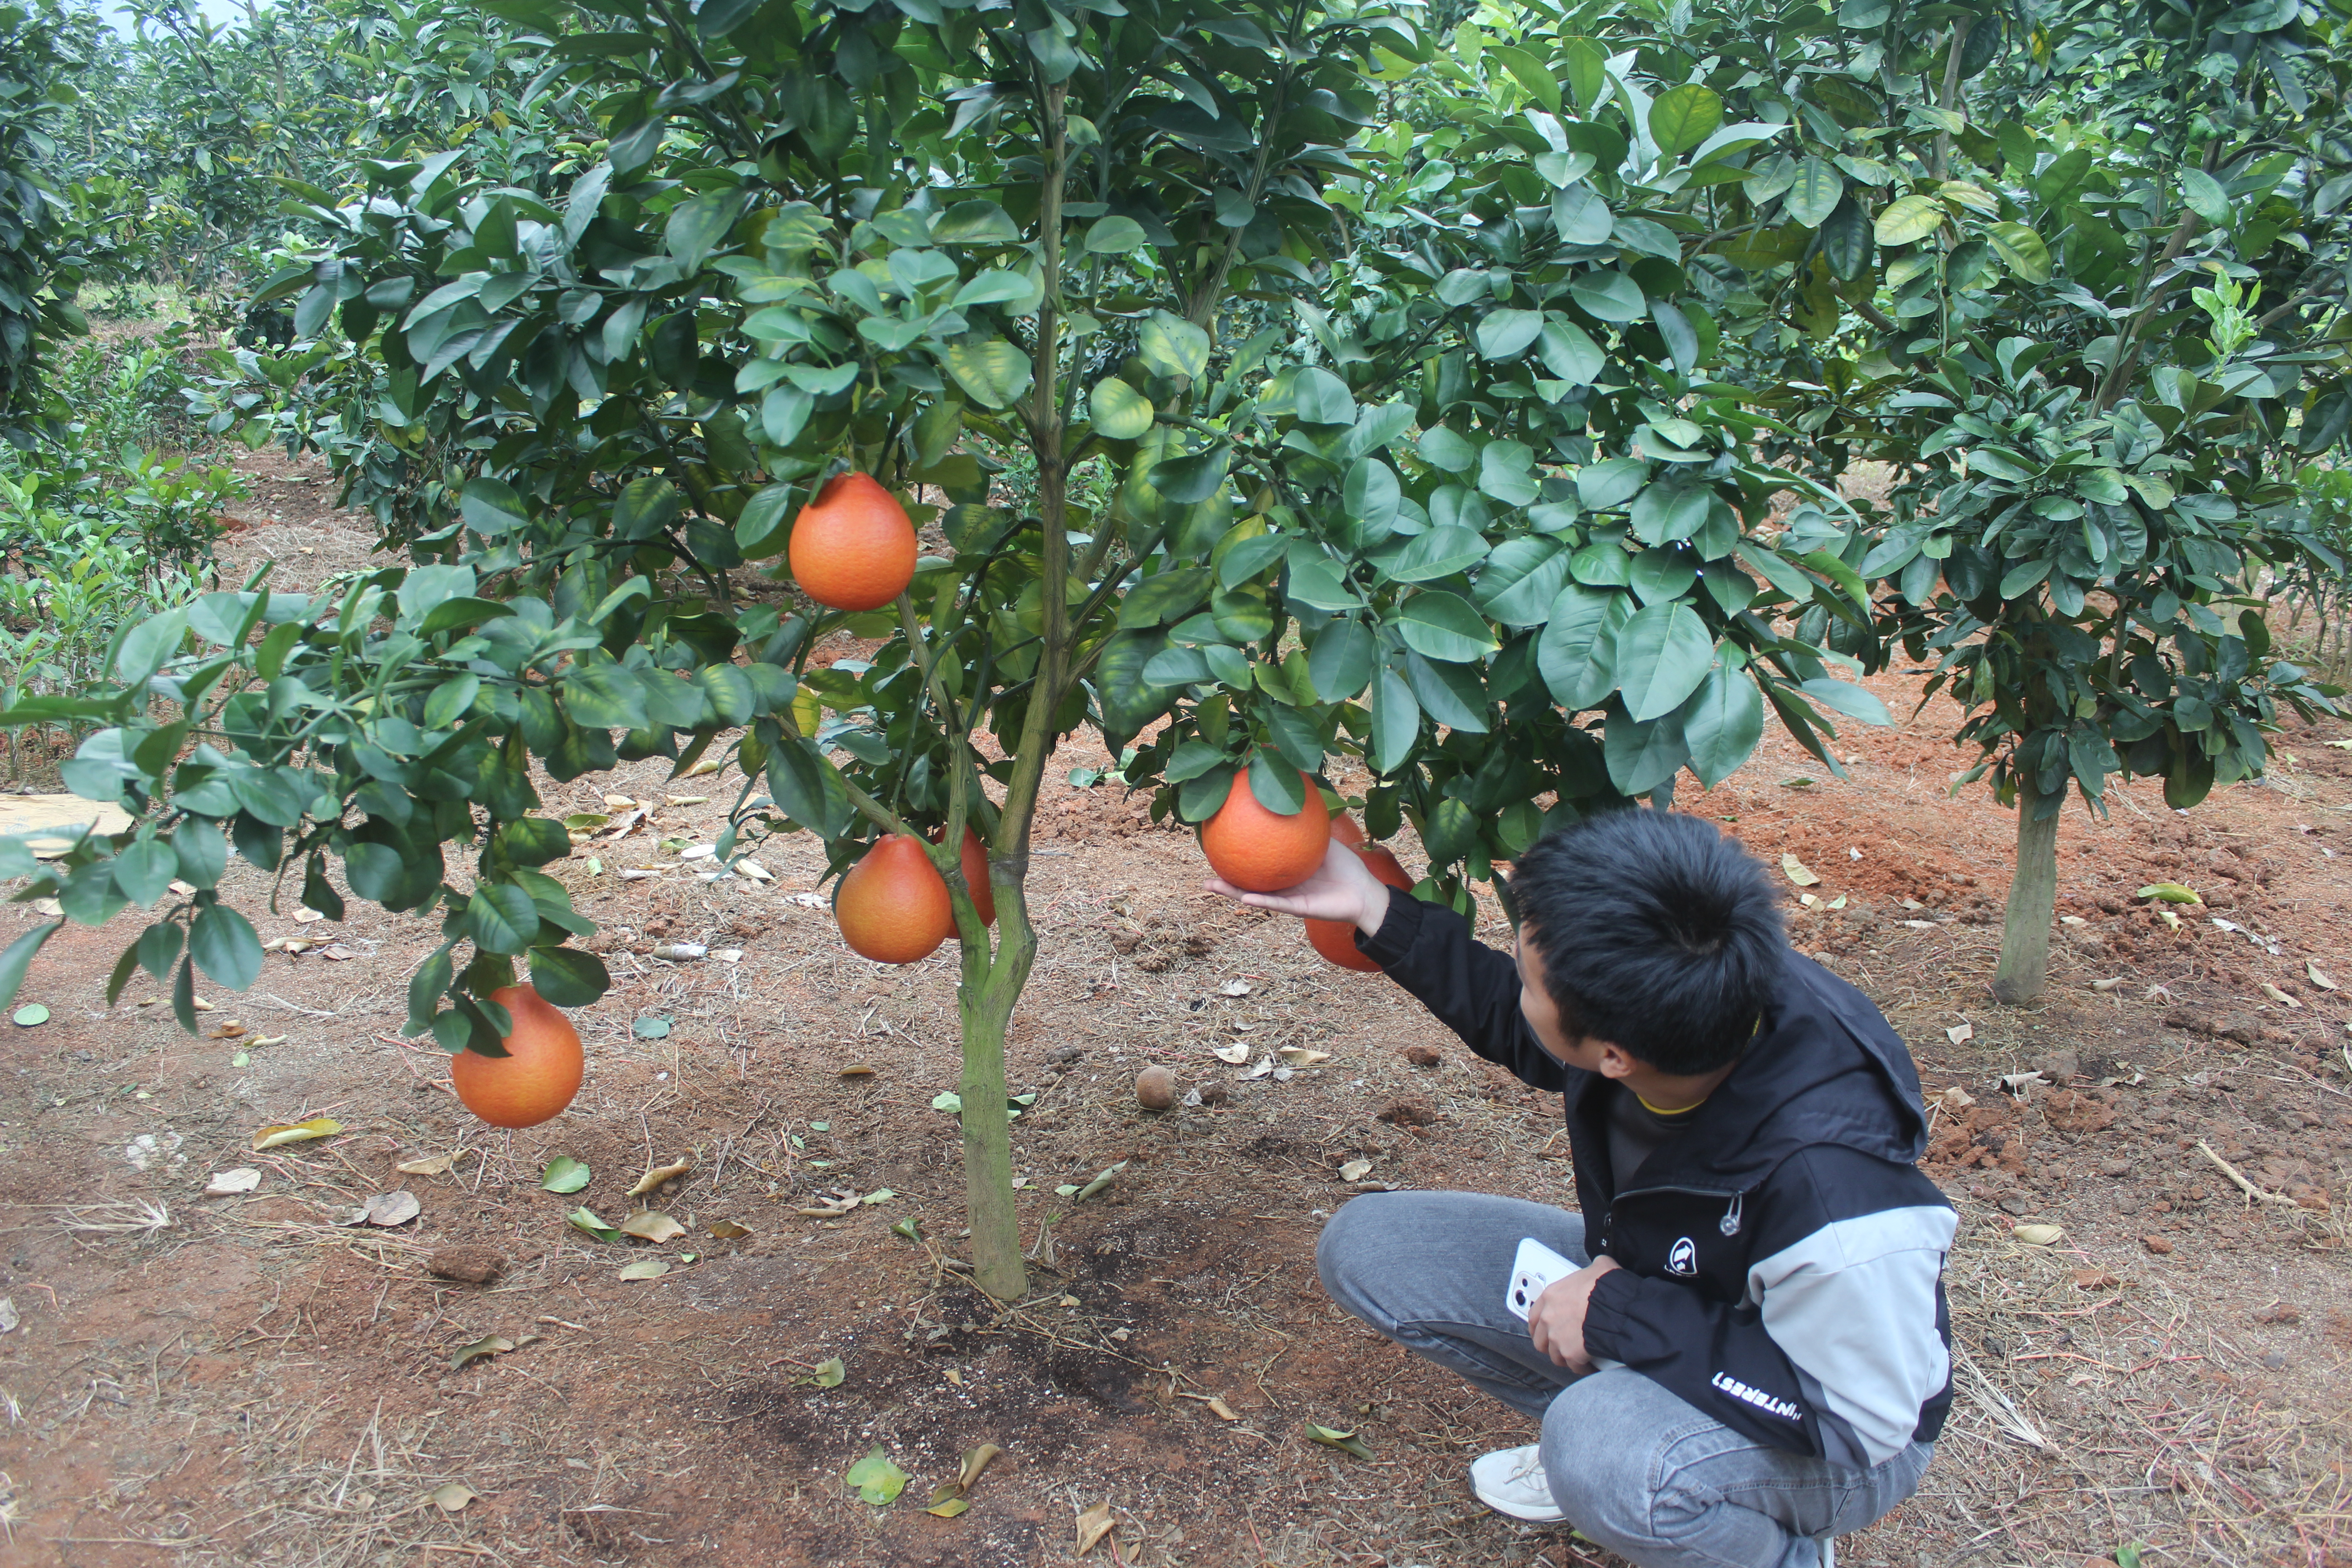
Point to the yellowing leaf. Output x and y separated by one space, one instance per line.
829 1373
647 1269
493 1344
1346 1442
947 1507
2169 893
2036 1235
651 1225
878 1481
727 1230
1300 1057
657 1175
296 1132
1797 872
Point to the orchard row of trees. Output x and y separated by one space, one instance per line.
1294 383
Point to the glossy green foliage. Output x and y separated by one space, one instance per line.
40 47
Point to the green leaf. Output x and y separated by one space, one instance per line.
2022 250
970 223
491 507
1277 784
1669 511
765 522
501 918
568 976
1115 236
1120 412
1396 721
1683 117
1643 755
1443 447
1506 334
1847 698
143 871
1318 398
18 958
159 949
1346 1442
564 1174
1444 626
1662 652
1847 240
1340 660
1910 219
1609 296
1814 194
2204 196
223 943
1574 653
1722 724
1440 552
994 373
697 226
1171 346
451 700
875 1479
1568 352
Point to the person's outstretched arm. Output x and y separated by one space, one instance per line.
1427 949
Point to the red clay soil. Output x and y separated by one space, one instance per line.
248 1379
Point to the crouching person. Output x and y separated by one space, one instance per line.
1751 1354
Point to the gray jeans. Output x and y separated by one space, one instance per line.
1633 1466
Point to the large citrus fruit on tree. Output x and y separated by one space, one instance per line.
893 904
975 873
1344 829
1262 851
537 1075
852 548
1336 939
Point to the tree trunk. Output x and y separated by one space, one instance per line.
996 1261
2024 969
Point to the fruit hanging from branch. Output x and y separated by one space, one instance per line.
893 905
1260 850
537 1075
853 547
975 874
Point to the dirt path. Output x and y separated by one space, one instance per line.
248 1381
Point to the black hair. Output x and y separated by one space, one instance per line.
1654 931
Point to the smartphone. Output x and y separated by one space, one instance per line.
1532 1272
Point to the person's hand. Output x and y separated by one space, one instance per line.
1341 889
1557 1320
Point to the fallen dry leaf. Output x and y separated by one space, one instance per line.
651 1225
296 1132
2094 1279
1235 1054
1221 1410
1956 1099
2319 976
1960 1034
229 1184
1797 871
647 1269
489 1344
1230 988
657 1175
436 1166
727 1230
2036 1235
392 1208
2279 996
1300 1057
228 1031
1093 1525
1355 1170
305 915
2109 985
451 1497
854 1070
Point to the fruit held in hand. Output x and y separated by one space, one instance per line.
1344 829
852 548
537 1075
1262 851
1155 1088
975 874
893 906
1336 939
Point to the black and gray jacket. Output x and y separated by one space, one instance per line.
1781 1259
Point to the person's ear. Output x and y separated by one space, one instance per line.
1616 1061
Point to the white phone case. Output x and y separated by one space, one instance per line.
1532 1272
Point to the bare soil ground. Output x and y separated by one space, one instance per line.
243 1379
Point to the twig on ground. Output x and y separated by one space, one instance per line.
2253 1191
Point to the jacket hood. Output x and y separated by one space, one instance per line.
1826 1068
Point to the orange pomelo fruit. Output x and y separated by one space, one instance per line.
537 1075
1262 851
852 548
893 904
975 873
1336 939
1344 829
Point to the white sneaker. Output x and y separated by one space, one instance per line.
1829 1551
1512 1481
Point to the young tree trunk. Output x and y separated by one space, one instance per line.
2033 899
996 1261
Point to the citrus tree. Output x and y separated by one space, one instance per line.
2077 278
40 46
1236 412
